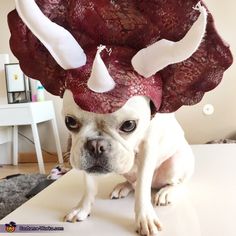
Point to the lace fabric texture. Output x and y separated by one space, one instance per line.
124 27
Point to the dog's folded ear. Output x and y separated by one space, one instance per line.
168 51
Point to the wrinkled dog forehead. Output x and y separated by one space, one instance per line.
135 108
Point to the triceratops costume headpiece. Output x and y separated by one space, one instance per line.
168 51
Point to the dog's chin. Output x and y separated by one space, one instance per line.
97 170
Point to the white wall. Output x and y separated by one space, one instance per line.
5 7
222 124
198 128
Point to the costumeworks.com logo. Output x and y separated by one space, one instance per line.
12 227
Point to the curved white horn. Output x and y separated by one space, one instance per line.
100 80
59 42
157 56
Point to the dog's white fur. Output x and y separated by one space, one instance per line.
156 155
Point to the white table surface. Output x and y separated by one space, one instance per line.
208 209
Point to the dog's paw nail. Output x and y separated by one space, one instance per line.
65 219
122 190
77 215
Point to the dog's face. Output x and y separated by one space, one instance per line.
103 143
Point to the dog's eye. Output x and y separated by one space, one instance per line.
128 126
71 123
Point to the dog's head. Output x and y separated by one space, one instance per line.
106 143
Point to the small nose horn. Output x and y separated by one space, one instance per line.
97 147
100 80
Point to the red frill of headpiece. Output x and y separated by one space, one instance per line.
125 27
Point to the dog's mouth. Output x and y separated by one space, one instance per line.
97 170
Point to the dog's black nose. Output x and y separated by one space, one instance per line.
97 147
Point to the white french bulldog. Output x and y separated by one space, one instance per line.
148 152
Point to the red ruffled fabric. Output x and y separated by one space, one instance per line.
125 27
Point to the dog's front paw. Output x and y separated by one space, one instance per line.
163 197
77 215
147 223
168 195
121 190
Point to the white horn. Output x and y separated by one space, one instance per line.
100 80
59 42
157 56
